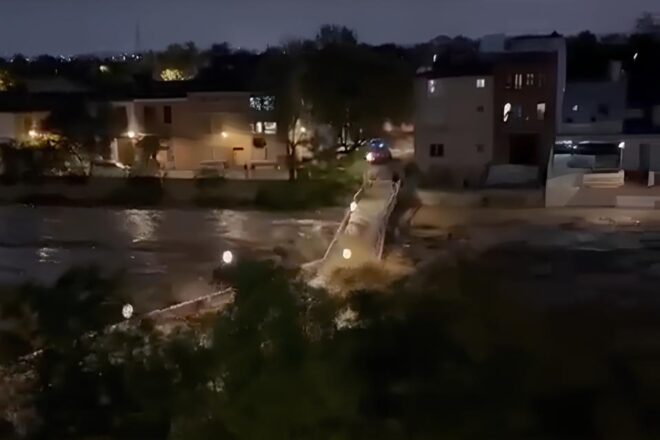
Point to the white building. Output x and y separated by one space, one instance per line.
454 125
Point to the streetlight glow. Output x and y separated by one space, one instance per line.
303 130
353 206
622 145
346 254
131 134
227 257
224 134
127 311
33 133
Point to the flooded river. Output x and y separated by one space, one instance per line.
166 253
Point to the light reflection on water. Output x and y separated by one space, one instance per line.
160 249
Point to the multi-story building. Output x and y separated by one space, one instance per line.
236 128
517 87
454 124
525 95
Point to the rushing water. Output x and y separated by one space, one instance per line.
168 253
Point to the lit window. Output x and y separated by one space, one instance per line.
506 112
518 81
268 103
255 103
270 127
258 127
481 83
529 79
431 87
540 111
437 150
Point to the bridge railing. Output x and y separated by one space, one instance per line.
342 226
385 219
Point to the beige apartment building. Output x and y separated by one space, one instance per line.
235 128
454 126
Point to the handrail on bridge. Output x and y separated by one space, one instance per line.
382 227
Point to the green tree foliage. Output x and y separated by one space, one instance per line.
85 129
454 357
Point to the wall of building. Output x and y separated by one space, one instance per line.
459 116
524 133
597 107
209 127
550 44
7 126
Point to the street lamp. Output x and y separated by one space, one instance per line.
346 254
224 134
303 130
353 206
33 133
131 134
127 311
227 257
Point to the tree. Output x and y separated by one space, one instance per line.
646 23
84 129
281 72
335 35
7 82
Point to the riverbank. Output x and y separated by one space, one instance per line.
179 193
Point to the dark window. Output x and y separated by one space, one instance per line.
593 119
150 118
509 81
518 111
167 114
480 148
437 150
569 120
603 109
542 80
480 109
120 118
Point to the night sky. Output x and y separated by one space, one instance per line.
81 26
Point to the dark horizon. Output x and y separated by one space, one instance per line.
69 27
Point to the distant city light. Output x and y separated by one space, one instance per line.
127 311
303 130
370 157
33 133
227 257
103 68
346 254
353 206
635 56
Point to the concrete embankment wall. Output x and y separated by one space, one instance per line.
99 190
495 198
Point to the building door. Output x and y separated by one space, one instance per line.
523 149
238 156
